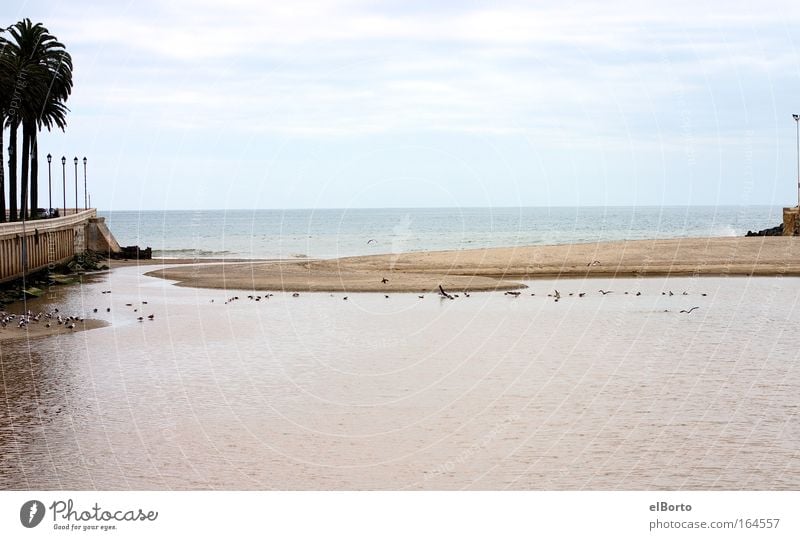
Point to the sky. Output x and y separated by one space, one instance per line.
343 104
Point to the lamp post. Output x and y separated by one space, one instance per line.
797 123
64 182
76 183
49 185
85 196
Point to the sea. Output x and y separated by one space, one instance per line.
330 233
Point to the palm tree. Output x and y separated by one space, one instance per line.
6 84
43 79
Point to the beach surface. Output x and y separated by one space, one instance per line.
37 329
501 268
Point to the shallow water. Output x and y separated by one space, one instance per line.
485 392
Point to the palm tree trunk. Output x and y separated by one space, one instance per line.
2 171
34 171
26 151
12 171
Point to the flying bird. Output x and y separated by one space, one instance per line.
689 310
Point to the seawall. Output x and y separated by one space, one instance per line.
37 244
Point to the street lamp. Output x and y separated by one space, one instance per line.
76 183
85 197
797 123
64 181
49 185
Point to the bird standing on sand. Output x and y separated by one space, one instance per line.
384 281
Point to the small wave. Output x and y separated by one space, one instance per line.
298 255
726 230
178 253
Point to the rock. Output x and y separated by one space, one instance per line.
774 231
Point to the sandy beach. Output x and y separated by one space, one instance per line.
37 329
502 268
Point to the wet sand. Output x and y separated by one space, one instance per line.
502 268
39 329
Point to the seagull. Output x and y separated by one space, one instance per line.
604 292
689 310
295 295
372 241
639 293
443 293
384 281
345 298
421 296
140 319
151 317
581 294
386 296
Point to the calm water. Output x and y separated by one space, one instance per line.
487 392
336 233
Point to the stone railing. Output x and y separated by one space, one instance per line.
49 224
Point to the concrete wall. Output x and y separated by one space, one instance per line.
791 221
47 242
99 237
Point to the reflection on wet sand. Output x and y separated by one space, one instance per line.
488 391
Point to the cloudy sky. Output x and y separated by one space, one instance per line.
311 104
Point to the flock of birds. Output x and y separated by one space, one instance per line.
54 317
556 295
22 320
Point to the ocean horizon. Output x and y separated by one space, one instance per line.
342 232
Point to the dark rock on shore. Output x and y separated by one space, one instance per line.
774 231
